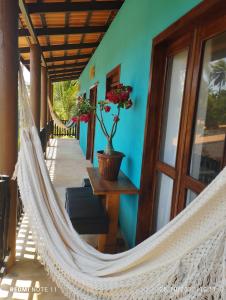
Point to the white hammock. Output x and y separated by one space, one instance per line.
184 260
57 120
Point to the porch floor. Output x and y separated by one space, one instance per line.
27 280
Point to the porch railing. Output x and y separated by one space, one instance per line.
4 221
71 132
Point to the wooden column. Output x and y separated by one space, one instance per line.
35 74
9 62
43 97
48 113
50 94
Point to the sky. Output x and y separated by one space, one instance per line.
26 75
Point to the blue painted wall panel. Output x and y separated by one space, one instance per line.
128 42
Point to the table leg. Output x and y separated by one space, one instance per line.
112 207
101 242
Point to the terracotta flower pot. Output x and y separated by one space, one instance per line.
109 165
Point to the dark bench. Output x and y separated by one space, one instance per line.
86 211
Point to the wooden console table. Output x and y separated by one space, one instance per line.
112 191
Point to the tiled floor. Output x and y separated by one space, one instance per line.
27 280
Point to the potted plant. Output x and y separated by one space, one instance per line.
109 159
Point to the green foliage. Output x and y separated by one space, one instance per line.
218 74
216 108
216 112
82 107
64 94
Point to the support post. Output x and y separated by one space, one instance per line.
35 74
9 63
43 97
50 94
48 112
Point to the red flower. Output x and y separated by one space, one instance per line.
113 97
116 119
74 119
129 88
85 118
107 108
124 96
128 104
120 85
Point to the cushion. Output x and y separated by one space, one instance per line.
86 211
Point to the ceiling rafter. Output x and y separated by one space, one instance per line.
69 57
58 7
30 27
70 29
62 47
64 74
74 70
66 21
88 18
63 66
70 77
63 30
62 79
44 24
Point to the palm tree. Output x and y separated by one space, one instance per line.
64 94
218 74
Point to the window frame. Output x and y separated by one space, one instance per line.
116 72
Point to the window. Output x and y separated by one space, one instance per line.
113 78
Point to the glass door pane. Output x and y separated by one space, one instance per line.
172 107
164 196
190 197
210 124
174 92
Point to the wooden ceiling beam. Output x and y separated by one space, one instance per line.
64 74
63 66
64 30
30 30
62 78
62 47
66 71
62 58
68 57
38 8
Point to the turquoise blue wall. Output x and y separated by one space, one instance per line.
128 42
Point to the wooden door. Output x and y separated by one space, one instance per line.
91 126
185 141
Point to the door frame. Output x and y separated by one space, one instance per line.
91 125
206 11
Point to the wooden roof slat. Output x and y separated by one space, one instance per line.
64 30
78 64
62 47
79 69
61 78
64 74
67 31
30 29
70 57
37 8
